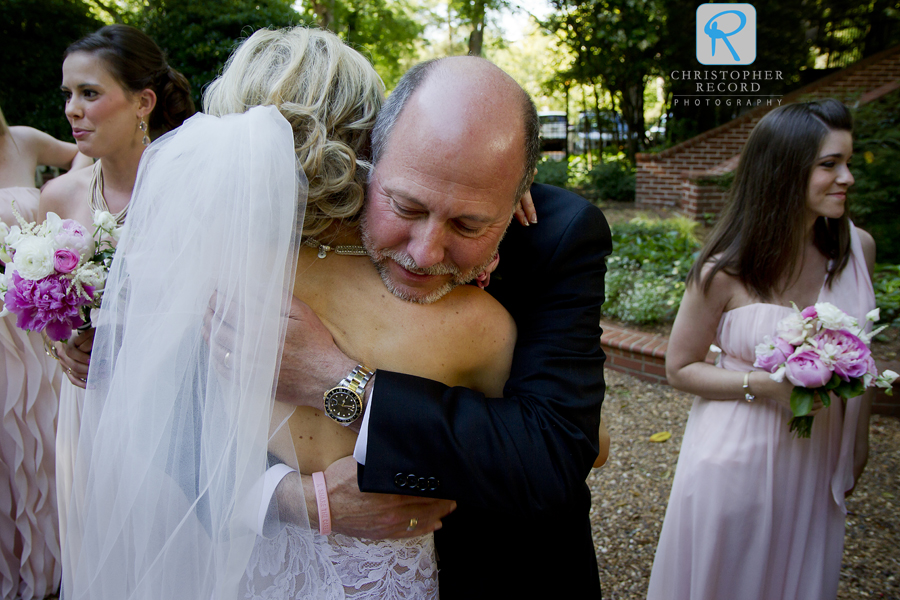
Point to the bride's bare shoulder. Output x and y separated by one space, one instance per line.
479 334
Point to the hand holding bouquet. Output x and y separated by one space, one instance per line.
55 271
820 350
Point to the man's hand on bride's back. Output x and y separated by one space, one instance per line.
377 516
311 363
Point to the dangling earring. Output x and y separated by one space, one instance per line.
143 127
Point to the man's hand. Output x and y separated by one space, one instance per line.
311 363
375 516
75 356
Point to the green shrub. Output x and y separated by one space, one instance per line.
887 293
613 181
647 269
874 198
552 172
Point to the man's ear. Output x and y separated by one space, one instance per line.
146 102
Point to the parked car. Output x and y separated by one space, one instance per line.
554 129
591 131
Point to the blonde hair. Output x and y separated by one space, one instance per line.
329 94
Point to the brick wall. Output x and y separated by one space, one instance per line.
674 178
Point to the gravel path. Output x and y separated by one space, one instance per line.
631 491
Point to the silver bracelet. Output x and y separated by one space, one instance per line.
747 395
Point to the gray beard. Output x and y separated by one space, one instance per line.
380 260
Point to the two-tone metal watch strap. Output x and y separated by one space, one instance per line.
358 378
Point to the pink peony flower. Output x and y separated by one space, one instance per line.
771 354
809 312
806 369
65 260
73 236
45 305
847 352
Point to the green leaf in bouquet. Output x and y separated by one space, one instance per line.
850 389
824 396
858 388
801 401
833 382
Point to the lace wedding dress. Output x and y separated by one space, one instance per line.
367 569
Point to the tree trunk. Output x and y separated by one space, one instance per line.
477 36
587 130
633 112
324 10
597 112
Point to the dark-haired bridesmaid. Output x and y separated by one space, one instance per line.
120 93
756 513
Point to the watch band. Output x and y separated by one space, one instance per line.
357 379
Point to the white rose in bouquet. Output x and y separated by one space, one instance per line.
34 257
105 221
831 317
794 329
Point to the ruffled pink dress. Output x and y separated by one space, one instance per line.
29 526
754 513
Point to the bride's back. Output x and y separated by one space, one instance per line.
465 339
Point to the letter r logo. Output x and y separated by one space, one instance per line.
726 34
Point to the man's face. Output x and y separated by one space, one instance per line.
439 201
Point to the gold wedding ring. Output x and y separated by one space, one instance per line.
412 524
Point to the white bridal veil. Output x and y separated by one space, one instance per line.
173 443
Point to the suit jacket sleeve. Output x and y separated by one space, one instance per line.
532 449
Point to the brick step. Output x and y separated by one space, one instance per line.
643 355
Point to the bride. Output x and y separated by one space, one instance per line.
170 499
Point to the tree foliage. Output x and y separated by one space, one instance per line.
874 197
199 35
382 30
33 37
474 15
615 42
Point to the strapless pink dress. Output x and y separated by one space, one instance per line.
30 382
754 513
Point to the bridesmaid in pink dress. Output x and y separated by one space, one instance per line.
29 394
755 513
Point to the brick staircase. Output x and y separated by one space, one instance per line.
678 178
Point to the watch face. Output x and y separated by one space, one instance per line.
342 405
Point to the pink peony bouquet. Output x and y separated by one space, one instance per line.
55 271
820 350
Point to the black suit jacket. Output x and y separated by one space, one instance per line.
515 465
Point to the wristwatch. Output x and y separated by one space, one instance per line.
343 403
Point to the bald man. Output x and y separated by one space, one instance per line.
455 148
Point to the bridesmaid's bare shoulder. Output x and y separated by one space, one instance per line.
66 195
